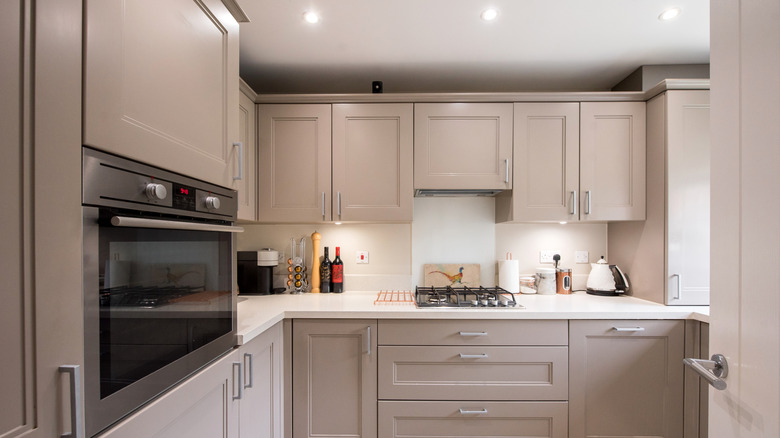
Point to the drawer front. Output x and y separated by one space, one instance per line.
472 419
473 373
473 332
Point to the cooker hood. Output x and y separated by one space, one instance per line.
455 192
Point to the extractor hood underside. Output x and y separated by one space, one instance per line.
455 192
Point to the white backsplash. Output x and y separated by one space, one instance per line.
445 230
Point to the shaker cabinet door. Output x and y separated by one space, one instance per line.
247 186
294 163
372 162
161 85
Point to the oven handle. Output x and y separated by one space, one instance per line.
135 222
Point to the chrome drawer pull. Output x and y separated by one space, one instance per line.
76 407
628 329
473 333
468 411
473 356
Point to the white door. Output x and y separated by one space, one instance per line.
745 223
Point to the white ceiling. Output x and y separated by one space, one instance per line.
444 46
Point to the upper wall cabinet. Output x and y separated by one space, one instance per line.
364 174
247 186
161 85
463 146
294 163
577 162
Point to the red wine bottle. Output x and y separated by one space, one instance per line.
325 269
337 273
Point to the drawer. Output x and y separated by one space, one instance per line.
473 332
472 419
473 373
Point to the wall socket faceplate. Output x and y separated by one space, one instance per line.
361 257
546 255
581 256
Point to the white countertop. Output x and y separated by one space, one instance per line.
259 313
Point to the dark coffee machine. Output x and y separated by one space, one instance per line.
256 271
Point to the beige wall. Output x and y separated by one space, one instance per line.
445 230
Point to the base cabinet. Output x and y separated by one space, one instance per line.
471 419
334 378
260 409
626 378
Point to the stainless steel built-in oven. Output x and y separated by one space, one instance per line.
158 277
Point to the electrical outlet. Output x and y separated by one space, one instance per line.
581 256
362 257
546 255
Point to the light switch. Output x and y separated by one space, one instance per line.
581 256
362 257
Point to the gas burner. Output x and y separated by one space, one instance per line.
465 297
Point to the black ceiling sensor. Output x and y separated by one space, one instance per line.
376 87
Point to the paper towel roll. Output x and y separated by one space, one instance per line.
509 275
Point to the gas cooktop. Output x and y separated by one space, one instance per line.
464 297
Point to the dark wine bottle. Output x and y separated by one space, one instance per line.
325 268
337 273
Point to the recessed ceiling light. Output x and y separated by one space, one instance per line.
669 14
311 17
489 14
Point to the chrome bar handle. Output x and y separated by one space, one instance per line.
587 201
574 202
473 333
338 203
471 411
237 379
138 222
367 350
76 408
713 371
323 205
240 146
679 286
628 329
506 177
248 382
473 356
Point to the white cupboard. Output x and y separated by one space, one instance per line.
668 255
161 85
577 162
463 146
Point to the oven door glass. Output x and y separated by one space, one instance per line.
160 307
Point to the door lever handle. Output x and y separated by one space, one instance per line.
713 371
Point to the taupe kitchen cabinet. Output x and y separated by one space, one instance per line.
204 406
463 146
247 128
41 319
362 173
668 255
626 378
334 378
238 396
161 85
577 162
697 343
473 378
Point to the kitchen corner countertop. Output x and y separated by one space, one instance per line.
256 314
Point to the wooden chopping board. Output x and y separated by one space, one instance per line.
451 274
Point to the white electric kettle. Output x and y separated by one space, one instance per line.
605 279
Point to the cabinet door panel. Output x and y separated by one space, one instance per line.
260 409
546 161
294 168
334 378
626 383
372 162
247 187
612 161
688 198
462 146
472 419
141 101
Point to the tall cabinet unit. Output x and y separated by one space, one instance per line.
626 378
463 146
372 162
161 85
334 376
668 255
40 170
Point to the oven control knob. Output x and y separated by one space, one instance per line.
156 192
212 203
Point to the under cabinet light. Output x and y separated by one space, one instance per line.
489 14
311 17
669 14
